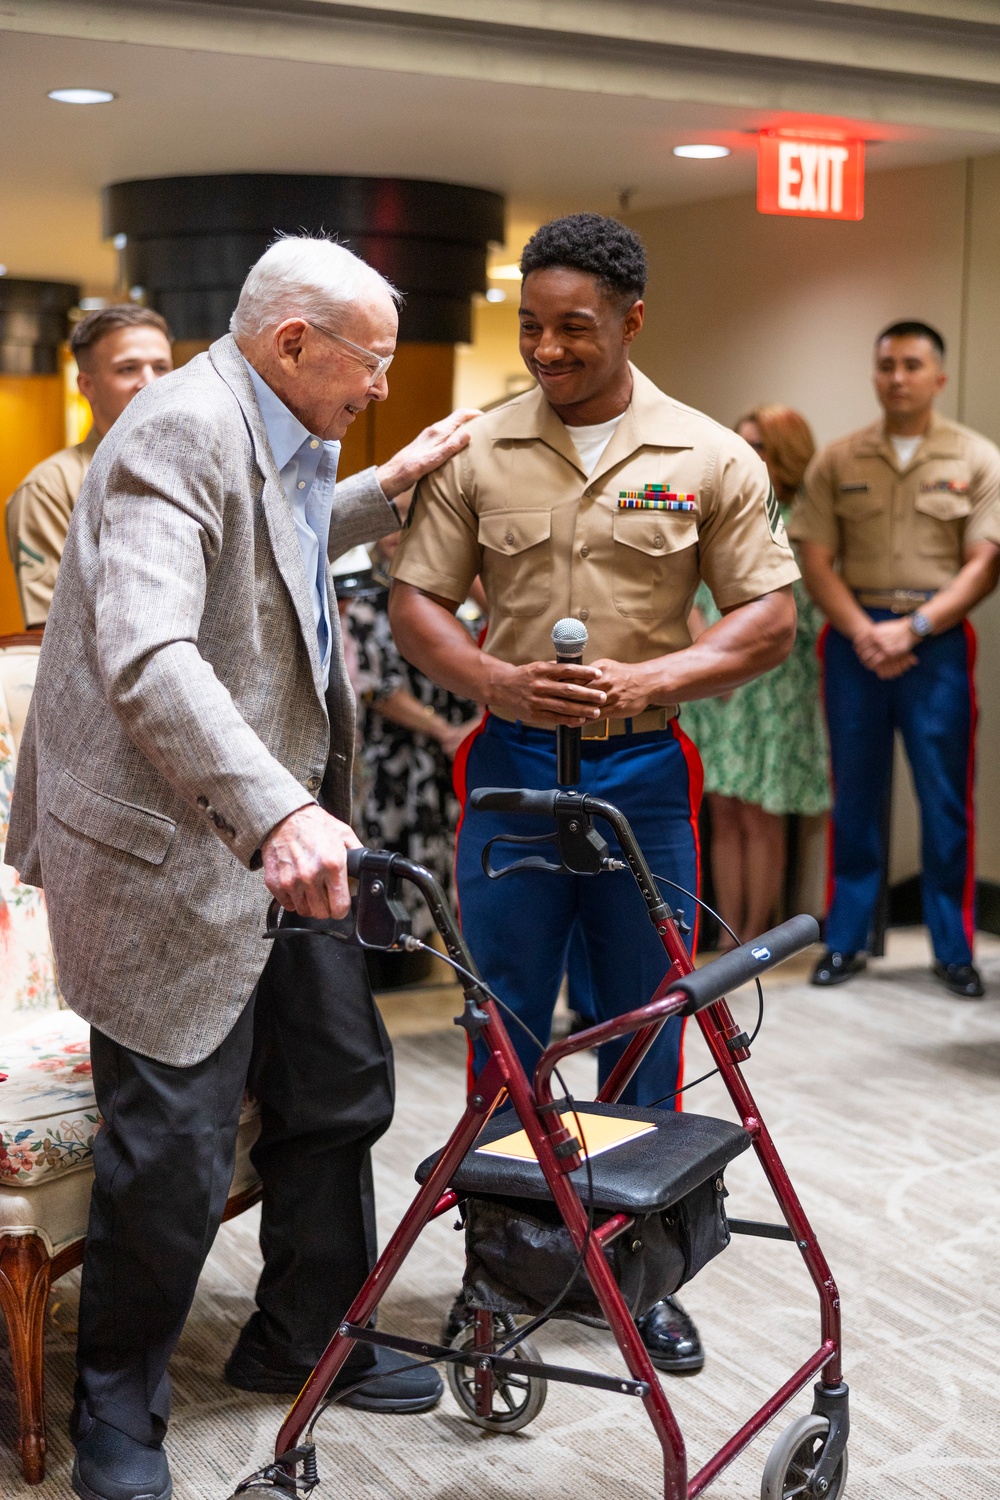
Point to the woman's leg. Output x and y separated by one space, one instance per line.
765 857
728 864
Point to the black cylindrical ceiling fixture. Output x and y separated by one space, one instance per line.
34 321
190 241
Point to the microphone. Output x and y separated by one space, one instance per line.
569 637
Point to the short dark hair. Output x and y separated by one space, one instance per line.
910 328
97 325
603 247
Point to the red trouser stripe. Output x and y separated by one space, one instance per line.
696 787
459 780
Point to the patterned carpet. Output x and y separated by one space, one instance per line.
883 1098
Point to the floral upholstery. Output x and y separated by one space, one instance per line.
48 1118
27 974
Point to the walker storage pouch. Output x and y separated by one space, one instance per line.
519 1255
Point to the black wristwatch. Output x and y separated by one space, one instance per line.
919 624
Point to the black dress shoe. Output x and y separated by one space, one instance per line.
671 1338
393 1384
961 979
836 968
109 1465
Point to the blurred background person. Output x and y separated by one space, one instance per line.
409 732
119 350
763 745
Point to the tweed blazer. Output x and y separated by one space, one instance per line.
179 712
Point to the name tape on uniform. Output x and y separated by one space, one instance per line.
654 497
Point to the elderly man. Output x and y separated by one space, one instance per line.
188 751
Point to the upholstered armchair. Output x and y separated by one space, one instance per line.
48 1118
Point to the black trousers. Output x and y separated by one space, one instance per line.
311 1047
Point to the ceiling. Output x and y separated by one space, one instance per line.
181 110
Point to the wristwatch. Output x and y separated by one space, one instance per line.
919 624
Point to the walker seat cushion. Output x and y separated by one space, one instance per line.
642 1176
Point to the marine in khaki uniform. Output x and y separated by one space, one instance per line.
900 536
597 496
119 350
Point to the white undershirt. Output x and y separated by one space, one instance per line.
590 442
905 448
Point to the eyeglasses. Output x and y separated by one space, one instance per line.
375 364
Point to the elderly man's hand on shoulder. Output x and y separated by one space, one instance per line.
428 451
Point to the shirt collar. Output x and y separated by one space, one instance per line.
285 432
650 417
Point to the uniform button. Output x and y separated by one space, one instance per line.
302 484
509 539
314 783
585 614
584 551
657 541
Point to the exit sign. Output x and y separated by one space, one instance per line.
810 177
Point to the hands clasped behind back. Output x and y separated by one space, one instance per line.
305 863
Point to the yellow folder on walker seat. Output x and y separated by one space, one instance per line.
601 1132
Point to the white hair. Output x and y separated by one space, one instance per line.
299 276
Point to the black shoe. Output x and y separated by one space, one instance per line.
392 1384
961 979
671 1338
836 968
109 1465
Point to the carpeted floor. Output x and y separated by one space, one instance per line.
883 1098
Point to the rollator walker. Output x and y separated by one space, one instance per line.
611 1232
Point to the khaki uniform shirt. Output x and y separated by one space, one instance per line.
901 528
516 507
38 515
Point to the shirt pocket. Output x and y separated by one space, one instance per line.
108 820
940 522
653 562
517 560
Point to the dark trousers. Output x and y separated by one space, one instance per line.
933 705
522 930
311 1047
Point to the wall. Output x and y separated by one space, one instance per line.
744 308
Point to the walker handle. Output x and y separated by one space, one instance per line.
705 986
516 800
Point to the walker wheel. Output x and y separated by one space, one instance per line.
793 1459
517 1399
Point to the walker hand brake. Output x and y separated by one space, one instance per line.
582 850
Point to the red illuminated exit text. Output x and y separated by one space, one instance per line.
810 179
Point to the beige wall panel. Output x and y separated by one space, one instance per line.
745 308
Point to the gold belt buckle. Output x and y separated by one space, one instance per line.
599 730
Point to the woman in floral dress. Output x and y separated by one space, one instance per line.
763 745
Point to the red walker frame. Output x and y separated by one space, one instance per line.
503 1077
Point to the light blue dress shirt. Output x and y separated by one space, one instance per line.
308 469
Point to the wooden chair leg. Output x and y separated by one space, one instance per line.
25 1269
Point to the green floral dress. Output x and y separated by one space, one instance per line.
766 743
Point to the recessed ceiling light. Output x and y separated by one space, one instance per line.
702 153
81 96
510 272
496 295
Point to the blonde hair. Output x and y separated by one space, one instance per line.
305 277
788 442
